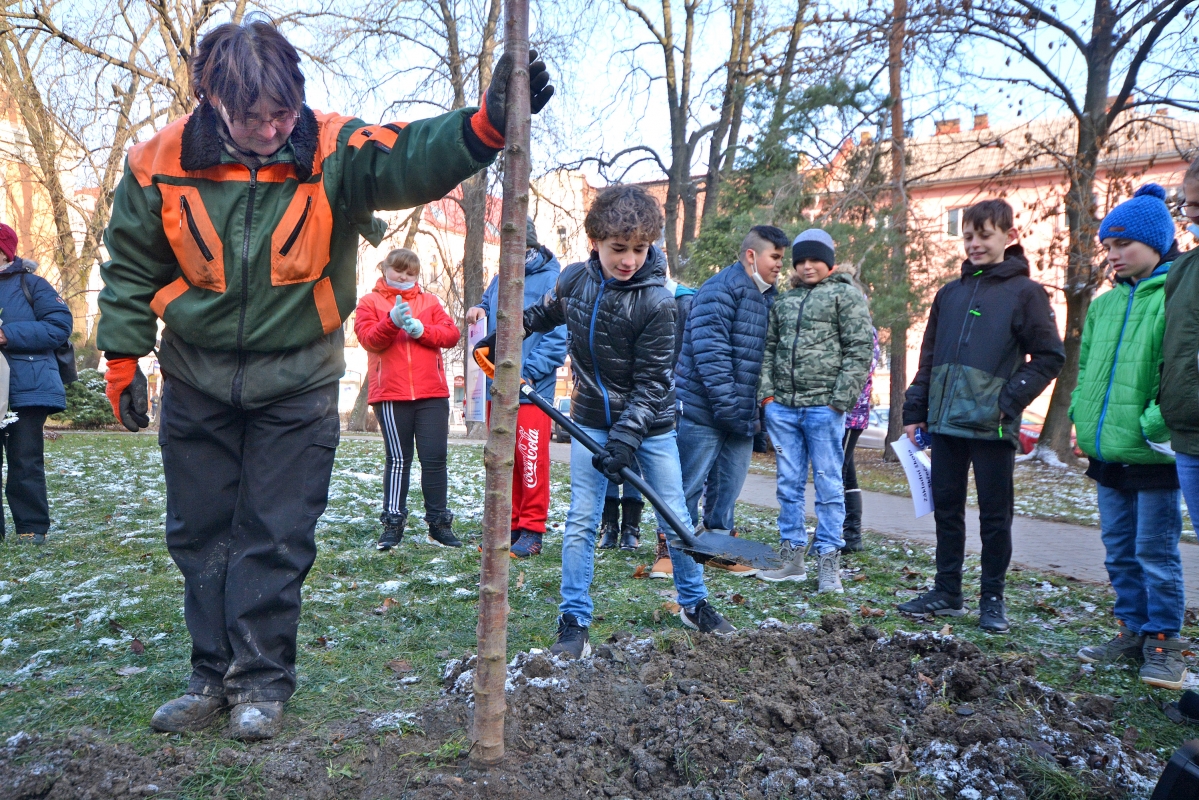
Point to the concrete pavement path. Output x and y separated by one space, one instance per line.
1072 550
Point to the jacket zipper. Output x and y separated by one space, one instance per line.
239 376
798 333
595 361
1107 396
957 356
295 234
411 380
186 208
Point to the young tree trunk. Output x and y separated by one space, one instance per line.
357 421
474 207
899 223
498 456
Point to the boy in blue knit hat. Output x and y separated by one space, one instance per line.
1120 428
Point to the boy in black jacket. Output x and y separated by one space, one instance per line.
621 324
971 388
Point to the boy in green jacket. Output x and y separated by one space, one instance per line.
1120 427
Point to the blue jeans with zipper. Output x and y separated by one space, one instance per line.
658 457
1140 533
802 436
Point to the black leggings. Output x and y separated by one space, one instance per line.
427 423
849 475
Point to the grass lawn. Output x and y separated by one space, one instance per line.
93 634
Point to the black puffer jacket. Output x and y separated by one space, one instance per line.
622 346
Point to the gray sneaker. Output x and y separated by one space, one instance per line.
1124 646
1164 665
828 573
793 567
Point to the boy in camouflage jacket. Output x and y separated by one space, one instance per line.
819 345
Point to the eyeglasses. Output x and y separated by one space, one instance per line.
1190 211
280 120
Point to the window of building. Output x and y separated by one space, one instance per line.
953 222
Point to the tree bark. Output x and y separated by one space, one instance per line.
734 83
899 222
498 457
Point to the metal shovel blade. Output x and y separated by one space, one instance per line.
731 548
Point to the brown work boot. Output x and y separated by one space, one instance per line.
252 721
662 567
192 712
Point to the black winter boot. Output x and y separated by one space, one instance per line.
441 530
852 530
610 524
630 527
393 529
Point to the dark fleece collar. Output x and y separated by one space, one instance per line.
202 146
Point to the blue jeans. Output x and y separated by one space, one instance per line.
1188 479
721 461
811 434
1140 533
658 457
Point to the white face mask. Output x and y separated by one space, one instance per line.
762 285
403 286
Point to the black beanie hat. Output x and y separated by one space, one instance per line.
531 233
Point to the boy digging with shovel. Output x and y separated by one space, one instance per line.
621 323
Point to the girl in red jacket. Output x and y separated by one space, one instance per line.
404 329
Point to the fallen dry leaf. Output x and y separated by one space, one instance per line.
867 612
640 572
126 672
137 647
78 624
115 626
657 616
520 580
859 577
354 585
948 629
737 599
399 666
671 606
924 678
388 603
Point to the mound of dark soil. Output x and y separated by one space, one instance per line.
828 711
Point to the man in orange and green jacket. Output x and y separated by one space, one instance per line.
238 227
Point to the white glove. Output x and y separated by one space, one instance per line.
400 312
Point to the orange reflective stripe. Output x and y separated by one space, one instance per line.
384 136
326 305
330 126
166 295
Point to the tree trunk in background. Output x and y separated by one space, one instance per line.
734 84
358 415
899 223
730 150
491 671
474 207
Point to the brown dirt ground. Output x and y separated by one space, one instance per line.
827 711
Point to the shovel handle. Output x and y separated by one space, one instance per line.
627 473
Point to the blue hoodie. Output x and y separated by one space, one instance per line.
542 353
34 333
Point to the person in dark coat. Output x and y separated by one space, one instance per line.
718 374
972 385
32 327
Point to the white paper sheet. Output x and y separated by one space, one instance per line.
916 467
476 381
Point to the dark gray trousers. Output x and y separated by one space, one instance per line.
244 492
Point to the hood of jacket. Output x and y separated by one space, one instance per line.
1014 263
19 264
202 147
540 260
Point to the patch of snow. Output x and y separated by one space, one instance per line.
395 720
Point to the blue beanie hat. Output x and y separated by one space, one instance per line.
1145 218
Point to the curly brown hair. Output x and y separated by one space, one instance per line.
624 212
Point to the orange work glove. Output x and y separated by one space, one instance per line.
128 393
